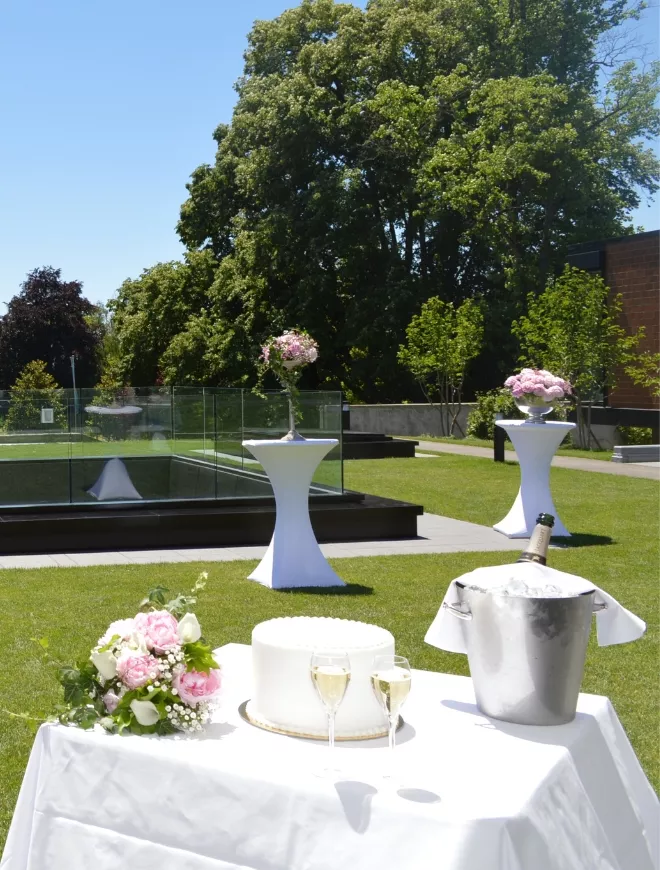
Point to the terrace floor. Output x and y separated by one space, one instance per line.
436 534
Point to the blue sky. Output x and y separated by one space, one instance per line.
107 108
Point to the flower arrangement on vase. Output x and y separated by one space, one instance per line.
537 392
286 356
150 674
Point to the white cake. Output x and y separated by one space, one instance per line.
284 696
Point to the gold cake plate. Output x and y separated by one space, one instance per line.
265 726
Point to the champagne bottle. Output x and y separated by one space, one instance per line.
537 550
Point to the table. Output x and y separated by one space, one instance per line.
293 558
535 445
479 795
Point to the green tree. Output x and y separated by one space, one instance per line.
33 390
441 341
165 305
645 372
379 157
573 330
109 354
48 320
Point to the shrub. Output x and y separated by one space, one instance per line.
33 390
635 434
481 422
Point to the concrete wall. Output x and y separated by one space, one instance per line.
418 420
422 419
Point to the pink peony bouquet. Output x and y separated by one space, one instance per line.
151 674
291 350
537 387
286 356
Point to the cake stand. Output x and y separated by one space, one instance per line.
535 446
293 558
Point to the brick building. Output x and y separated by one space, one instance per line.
630 266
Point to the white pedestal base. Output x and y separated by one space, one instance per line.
294 558
535 445
114 483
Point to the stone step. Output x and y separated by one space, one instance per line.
636 453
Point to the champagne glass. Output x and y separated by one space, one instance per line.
331 674
390 679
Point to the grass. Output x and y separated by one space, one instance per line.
566 450
616 545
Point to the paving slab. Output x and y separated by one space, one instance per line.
436 534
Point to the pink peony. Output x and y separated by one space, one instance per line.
159 629
110 699
137 670
194 687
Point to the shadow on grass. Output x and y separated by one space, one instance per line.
581 539
349 589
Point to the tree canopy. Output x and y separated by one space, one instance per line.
48 320
380 157
573 329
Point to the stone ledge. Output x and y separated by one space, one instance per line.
637 453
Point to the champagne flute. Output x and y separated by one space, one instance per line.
390 679
331 674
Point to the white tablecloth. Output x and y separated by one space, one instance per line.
477 795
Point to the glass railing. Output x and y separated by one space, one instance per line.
151 444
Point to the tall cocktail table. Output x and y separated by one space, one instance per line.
293 558
535 445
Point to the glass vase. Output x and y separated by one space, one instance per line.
292 434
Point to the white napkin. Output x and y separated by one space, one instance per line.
614 624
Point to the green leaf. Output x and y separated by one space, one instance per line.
155 596
110 643
199 657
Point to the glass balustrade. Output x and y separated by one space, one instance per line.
155 444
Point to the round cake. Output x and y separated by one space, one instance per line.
284 696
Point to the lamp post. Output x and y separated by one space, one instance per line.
72 358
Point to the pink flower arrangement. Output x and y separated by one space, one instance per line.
286 356
194 687
290 350
151 674
537 387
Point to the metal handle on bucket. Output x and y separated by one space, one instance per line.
599 605
455 609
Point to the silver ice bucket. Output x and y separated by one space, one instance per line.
526 654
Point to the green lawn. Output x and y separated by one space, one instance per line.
616 545
566 450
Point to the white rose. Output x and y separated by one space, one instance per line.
137 643
105 663
189 629
121 628
145 712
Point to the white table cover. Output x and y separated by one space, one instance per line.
478 795
293 558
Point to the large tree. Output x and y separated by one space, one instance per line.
49 320
417 148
